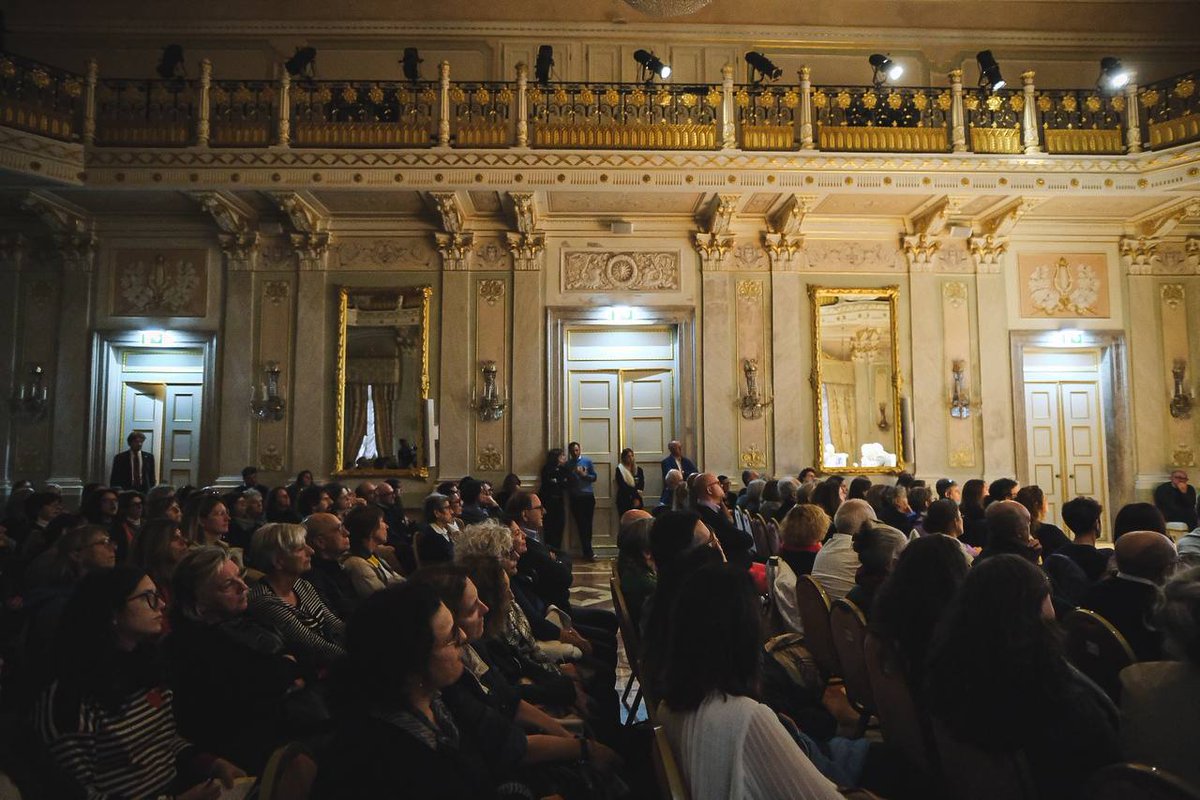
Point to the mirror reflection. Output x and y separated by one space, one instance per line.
856 368
383 380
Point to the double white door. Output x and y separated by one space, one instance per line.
1065 442
168 415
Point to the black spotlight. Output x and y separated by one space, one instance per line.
884 69
989 71
412 64
545 60
652 65
302 63
171 64
766 69
1113 76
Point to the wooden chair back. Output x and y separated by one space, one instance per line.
1138 782
671 784
289 774
758 530
899 719
1097 649
773 537
813 604
629 632
975 774
849 629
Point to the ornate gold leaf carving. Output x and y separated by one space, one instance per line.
491 291
753 458
489 459
750 290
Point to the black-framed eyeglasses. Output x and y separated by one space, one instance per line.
153 598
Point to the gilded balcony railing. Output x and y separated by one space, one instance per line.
242 113
40 99
766 116
888 119
1171 110
1081 121
624 116
994 120
363 113
483 114
136 113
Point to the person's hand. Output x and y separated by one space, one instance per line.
226 773
603 757
209 790
572 636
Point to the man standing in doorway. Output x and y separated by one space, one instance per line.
133 469
581 474
676 460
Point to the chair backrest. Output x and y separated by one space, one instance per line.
1097 649
629 632
1137 782
813 604
975 774
671 785
289 774
773 537
849 629
899 719
758 530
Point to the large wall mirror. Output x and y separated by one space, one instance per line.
856 378
382 381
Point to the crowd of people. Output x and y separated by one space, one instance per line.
164 642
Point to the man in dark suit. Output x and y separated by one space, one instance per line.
133 469
709 499
1176 500
677 461
1144 560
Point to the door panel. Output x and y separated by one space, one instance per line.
1065 437
649 415
1082 419
142 411
180 460
1044 436
593 421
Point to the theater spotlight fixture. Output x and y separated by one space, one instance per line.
1113 76
302 63
763 66
545 61
652 65
884 69
171 64
412 64
989 71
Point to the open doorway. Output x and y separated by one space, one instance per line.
156 383
617 384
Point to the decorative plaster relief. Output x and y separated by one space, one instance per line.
955 293
168 283
389 253
489 459
830 256
753 458
750 290
1172 295
271 459
588 271
491 291
749 257
491 255
1183 456
1063 285
276 292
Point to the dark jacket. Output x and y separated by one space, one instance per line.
1175 505
1051 537
549 571
628 496
333 585
432 547
1091 559
553 485
121 475
736 542
1128 605
688 466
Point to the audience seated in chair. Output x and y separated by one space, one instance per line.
1082 516
878 547
998 679
837 563
326 534
1144 561
803 529
368 571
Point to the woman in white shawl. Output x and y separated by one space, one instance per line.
630 483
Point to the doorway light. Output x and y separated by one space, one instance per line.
1069 337
620 313
157 337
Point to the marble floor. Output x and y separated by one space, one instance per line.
591 590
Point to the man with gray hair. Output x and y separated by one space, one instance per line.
677 460
672 479
836 564
788 488
1008 531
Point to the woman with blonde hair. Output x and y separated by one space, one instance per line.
800 540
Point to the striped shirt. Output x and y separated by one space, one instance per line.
309 629
127 751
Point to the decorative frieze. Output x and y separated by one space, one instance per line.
170 283
384 253
590 271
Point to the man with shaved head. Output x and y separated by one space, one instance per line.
709 500
1008 531
677 460
1145 559
330 541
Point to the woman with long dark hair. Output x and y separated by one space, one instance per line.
552 492
971 506
1050 535
630 483
998 679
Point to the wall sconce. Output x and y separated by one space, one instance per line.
1181 399
883 423
490 407
960 401
265 403
30 397
752 403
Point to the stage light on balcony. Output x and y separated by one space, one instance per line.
1113 76
762 66
989 71
302 63
652 65
171 64
412 64
544 63
884 69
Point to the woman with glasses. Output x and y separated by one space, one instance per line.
108 720
227 665
312 633
157 549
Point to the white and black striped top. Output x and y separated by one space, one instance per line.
309 629
127 751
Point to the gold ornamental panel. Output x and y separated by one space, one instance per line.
767 137
883 140
657 136
996 140
360 134
1174 131
1084 142
246 133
